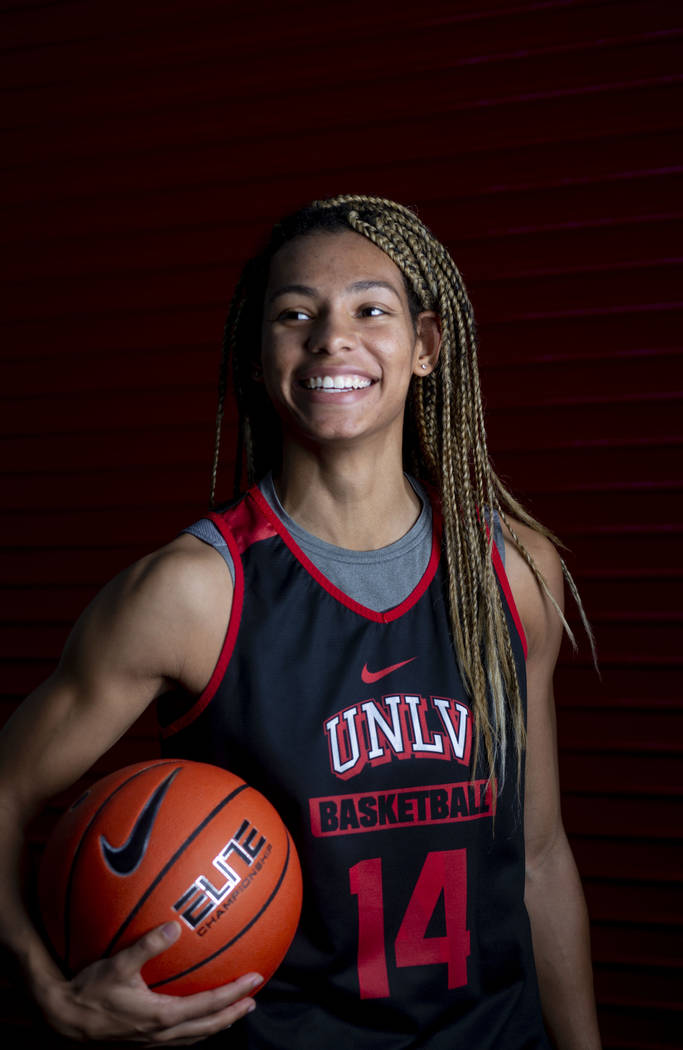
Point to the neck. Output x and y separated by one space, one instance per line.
349 501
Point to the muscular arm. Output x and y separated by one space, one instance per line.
553 893
159 623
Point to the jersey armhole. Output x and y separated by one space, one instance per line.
507 591
205 697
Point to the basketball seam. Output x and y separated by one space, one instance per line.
245 928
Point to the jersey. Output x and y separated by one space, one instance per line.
358 728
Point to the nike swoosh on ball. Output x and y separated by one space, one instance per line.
126 858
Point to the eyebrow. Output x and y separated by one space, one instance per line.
357 286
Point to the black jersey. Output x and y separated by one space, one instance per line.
356 725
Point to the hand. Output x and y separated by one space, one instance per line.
109 1000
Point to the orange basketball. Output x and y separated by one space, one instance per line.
172 840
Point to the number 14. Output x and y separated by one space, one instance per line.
445 871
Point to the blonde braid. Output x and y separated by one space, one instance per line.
463 468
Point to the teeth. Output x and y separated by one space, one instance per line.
337 383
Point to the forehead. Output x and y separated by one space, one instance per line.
325 260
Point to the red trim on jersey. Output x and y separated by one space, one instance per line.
362 610
246 524
507 591
219 670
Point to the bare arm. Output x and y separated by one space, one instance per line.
162 622
553 892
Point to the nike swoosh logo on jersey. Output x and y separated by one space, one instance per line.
374 676
124 859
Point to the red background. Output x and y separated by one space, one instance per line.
149 146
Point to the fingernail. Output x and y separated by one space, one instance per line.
171 931
255 979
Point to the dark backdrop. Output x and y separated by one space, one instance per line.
149 145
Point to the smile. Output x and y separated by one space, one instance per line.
336 383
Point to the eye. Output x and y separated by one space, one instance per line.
372 311
293 314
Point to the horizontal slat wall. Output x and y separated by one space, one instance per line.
147 149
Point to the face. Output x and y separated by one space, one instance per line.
339 346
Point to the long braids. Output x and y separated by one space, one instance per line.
445 446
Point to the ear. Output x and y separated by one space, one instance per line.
428 342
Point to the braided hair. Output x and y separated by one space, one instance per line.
444 444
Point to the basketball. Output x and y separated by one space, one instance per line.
172 840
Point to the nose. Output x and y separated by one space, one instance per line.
332 332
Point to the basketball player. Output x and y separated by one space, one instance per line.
386 681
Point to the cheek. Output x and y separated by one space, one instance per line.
275 369
399 358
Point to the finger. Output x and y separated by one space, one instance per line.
202 1008
188 1032
130 961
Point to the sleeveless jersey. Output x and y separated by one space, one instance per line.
356 725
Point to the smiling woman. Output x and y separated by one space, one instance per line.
338 351
367 634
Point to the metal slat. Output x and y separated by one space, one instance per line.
441 63
477 30
482 171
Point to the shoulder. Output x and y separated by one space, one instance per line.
185 575
164 617
184 580
537 609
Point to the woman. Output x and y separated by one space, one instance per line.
373 681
